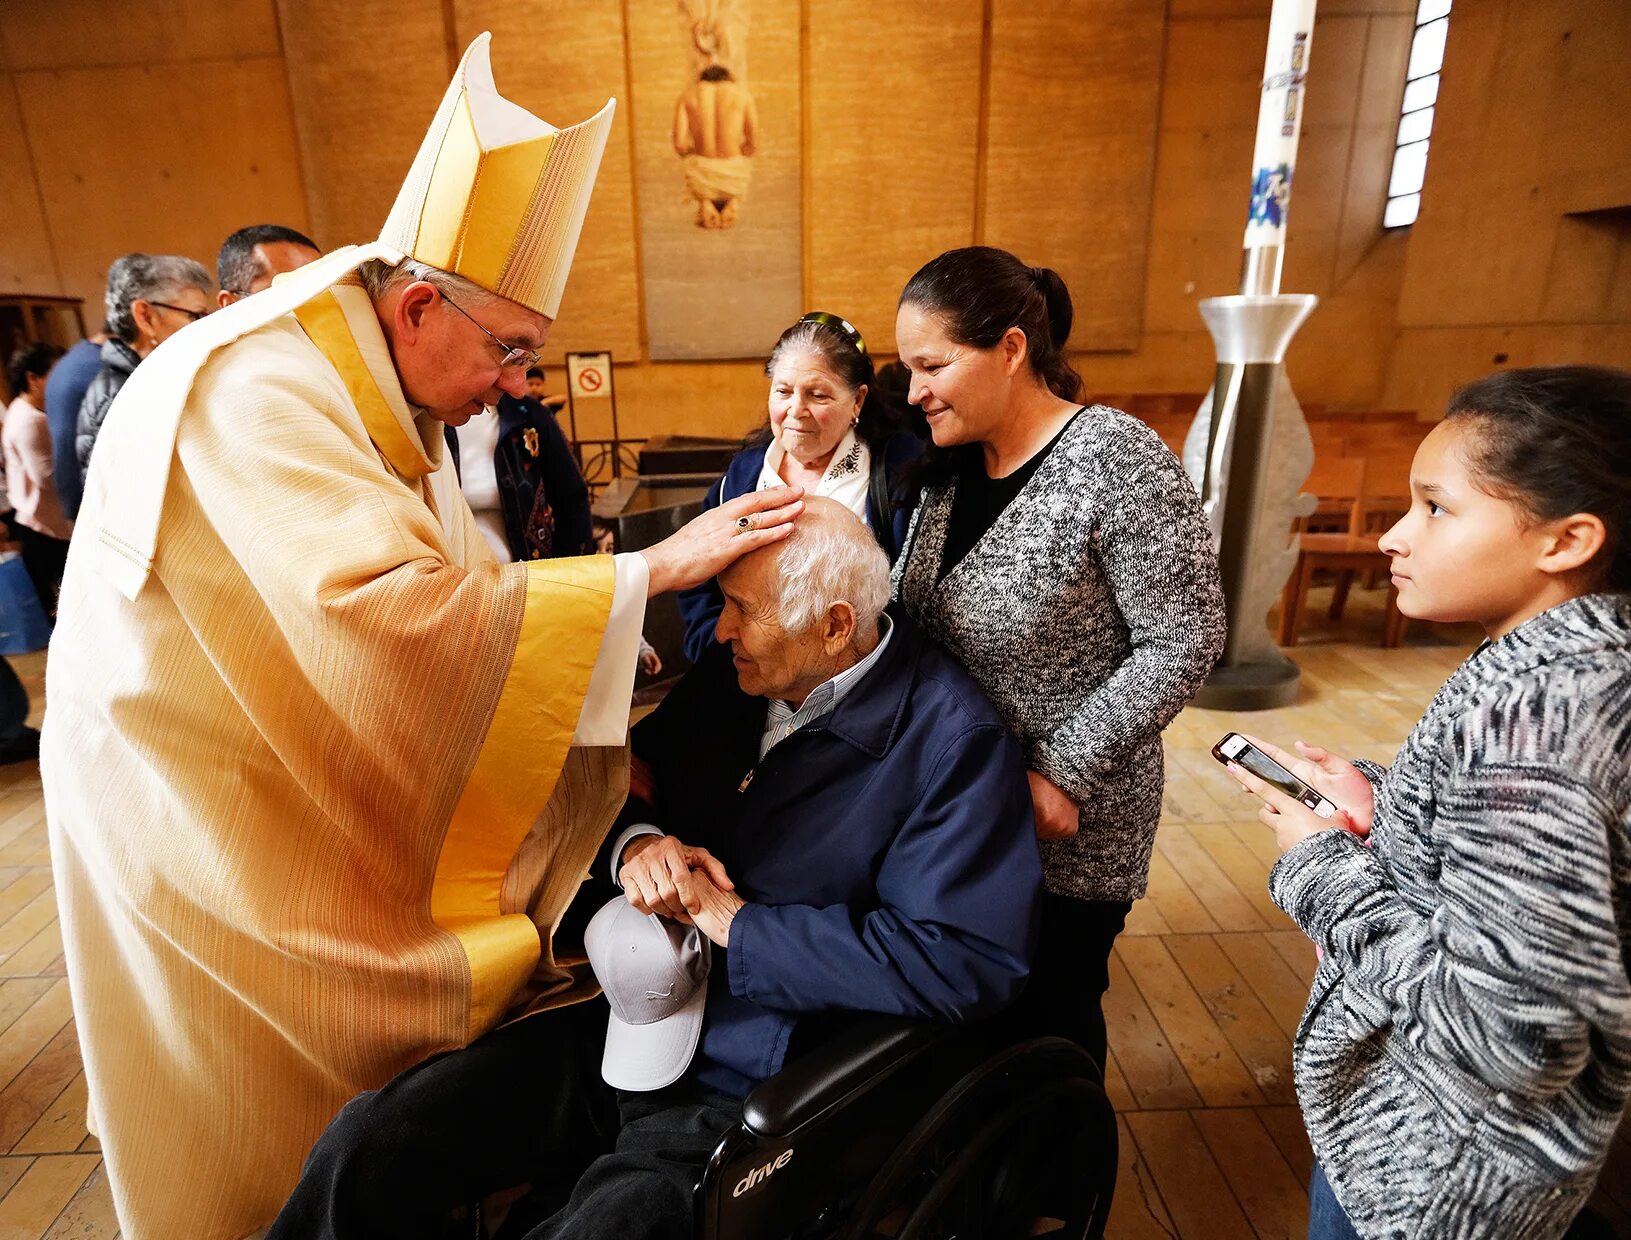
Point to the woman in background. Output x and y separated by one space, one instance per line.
829 432
41 527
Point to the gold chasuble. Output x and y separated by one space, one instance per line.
321 776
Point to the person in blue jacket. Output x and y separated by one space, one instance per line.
829 797
831 432
64 393
521 479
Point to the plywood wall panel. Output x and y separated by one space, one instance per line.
1074 96
562 61
56 34
1530 125
362 100
201 149
1260 8
1335 66
1591 38
1177 361
1202 172
1214 76
214 129
691 398
1370 149
890 152
27 258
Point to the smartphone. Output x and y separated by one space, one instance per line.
1237 749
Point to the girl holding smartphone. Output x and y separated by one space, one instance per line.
1465 1056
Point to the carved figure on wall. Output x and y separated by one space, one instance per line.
716 132
716 126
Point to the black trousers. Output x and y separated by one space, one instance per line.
644 1190
1064 996
523 1105
45 558
13 705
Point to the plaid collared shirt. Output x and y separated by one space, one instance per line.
782 719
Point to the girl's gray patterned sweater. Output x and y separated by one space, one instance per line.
1090 613
1466 1052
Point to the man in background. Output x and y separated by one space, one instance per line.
250 257
64 393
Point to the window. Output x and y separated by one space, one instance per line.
1416 114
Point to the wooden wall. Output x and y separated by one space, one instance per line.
1108 138
1522 254
1335 247
159 127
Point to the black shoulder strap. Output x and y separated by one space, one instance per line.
878 492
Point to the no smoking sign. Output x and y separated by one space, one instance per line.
589 374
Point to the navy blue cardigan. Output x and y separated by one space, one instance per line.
700 606
541 491
887 852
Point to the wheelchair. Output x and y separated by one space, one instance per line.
896 1131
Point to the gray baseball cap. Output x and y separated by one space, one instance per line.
654 973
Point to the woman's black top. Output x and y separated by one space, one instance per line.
980 499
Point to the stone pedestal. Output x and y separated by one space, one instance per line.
1249 453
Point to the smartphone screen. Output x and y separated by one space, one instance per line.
1237 749
1241 752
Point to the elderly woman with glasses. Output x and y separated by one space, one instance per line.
829 431
150 297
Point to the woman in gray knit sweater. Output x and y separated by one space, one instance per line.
1060 553
1466 1052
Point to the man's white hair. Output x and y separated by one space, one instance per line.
380 277
828 561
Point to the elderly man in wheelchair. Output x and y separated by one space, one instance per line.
830 882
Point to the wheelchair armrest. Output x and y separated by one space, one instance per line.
858 1057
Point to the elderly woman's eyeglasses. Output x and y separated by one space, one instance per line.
192 315
515 357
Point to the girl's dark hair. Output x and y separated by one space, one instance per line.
1557 440
979 292
845 354
31 359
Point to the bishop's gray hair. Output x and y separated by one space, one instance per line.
830 561
147 277
380 277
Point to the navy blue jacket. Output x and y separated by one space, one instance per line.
887 852
700 606
64 393
541 490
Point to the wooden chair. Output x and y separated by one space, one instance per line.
1389 415
1345 554
1386 495
1378 438
1327 439
1144 403
1338 483
1116 400
1353 494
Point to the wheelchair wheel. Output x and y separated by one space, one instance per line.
1020 1178
1024 1146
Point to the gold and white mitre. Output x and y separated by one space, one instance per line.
495 194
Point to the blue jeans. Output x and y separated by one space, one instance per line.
1326 1220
